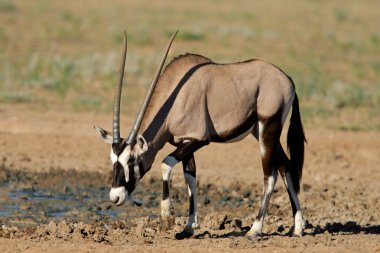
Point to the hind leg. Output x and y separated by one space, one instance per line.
268 136
284 170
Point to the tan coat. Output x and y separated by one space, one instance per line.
196 98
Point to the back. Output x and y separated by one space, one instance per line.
218 98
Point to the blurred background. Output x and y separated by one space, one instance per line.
65 54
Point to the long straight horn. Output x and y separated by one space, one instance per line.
117 98
140 116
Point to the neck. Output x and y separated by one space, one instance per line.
156 141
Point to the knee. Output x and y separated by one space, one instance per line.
167 166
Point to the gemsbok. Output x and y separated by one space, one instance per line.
194 102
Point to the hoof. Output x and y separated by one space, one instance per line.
252 236
166 223
299 234
183 235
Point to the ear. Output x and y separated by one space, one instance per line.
104 135
141 144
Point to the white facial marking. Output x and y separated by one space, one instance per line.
124 156
118 195
123 159
113 157
261 141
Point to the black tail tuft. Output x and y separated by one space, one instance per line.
296 145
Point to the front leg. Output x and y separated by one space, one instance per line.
189 170
184 152
167 213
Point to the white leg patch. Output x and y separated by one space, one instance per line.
261 141
298 219
192 223
256 228
165 208
167 166
298 224
271 181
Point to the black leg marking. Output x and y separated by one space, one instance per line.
165 189
284 169
189 170
192 205
186 149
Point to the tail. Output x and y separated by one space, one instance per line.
296 145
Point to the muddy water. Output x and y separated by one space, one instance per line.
33 198
34 205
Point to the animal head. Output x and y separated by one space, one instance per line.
127 154
127 165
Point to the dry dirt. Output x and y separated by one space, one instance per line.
56 156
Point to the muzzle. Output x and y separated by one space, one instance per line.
118 195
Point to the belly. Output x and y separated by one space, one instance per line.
239 137
237 133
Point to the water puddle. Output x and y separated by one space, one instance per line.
28 199
29 206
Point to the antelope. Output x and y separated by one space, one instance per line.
195 101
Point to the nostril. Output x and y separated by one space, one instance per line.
116 200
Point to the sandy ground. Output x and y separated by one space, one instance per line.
340 191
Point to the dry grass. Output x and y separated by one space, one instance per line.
65 53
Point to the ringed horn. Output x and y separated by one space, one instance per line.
132 136
116 105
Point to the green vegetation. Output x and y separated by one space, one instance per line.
7 6
67 53
190 35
